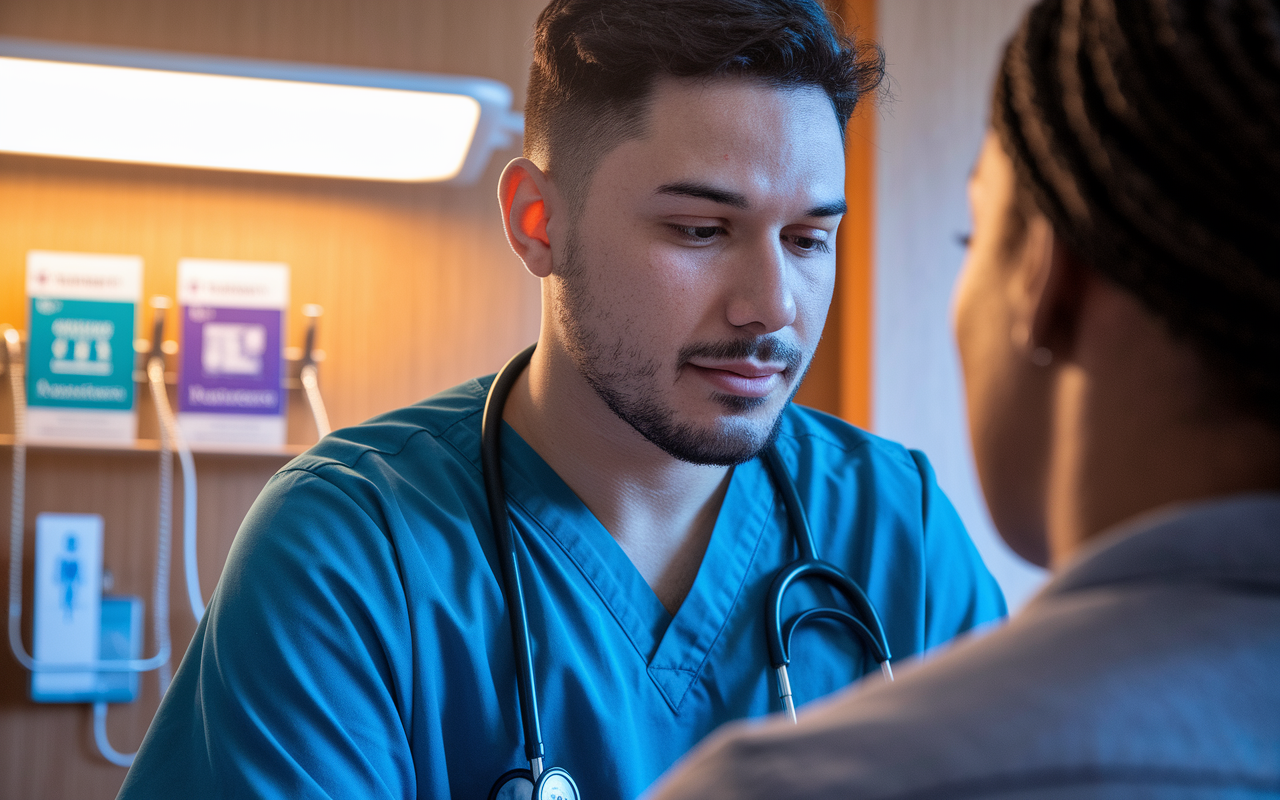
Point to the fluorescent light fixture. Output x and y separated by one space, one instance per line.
257 116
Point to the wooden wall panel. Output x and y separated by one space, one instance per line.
839 382
856 243
419 288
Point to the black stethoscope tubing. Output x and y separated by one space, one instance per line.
809 565
496 493
864 622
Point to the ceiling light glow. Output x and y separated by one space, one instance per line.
233 114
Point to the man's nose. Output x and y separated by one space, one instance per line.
761 299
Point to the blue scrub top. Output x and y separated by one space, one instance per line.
357 644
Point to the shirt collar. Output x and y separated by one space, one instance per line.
1233 540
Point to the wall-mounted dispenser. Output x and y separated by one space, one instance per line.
86 647
68 605
74 621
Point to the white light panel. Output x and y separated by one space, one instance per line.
246 115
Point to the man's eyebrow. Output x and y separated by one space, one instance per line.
829 210
735 200
706 193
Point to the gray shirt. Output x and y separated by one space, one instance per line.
1148 668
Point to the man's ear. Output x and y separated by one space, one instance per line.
1054 287
526 196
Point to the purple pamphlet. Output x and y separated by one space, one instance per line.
230 391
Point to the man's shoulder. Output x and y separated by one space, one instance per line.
410 475
448 422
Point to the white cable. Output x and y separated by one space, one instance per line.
170 440
16 384
164 514
311 384
310 376
13 347
100 738
189 555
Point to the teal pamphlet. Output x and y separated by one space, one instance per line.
80 326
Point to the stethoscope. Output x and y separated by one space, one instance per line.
555 783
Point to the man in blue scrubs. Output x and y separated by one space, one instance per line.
679 199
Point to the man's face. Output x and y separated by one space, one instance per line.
692 288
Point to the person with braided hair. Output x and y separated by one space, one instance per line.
1118 319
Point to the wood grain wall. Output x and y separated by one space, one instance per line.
839 382
419 288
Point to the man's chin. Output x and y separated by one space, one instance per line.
719 429
726 442
739 404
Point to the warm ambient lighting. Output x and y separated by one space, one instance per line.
221 113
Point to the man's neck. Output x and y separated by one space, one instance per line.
660 510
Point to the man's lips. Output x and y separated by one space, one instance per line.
742 378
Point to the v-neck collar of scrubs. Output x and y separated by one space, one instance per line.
674 648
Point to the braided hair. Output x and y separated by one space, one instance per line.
1148 132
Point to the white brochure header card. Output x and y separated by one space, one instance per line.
84 276
233 284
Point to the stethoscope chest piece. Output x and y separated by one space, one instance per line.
555 784
518 784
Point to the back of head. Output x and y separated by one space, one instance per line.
595 63
1148 132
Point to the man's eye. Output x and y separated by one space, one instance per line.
699 232
811 244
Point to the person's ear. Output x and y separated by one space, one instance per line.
1052 290
526 197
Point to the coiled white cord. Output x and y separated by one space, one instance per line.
13 348
104 745
171 440
13 344
164 529
310 376
160 594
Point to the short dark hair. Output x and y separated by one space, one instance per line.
595 63
1148 133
